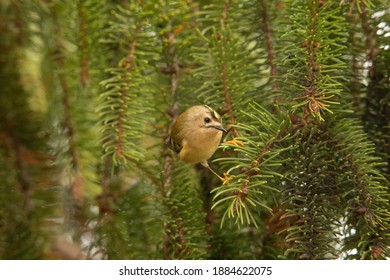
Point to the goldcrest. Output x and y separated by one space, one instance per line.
196 134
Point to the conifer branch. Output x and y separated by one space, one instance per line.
83 44
16 151
365 205
311 197
371 44
127 66
225 13
244 191
317 52
103 199
68 124
269 44
304 184
254 167
77 186
174 236
311 44
224 70
122 107
356 67
174 72
228 101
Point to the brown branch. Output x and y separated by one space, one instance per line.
228 100
312 66
83 45
77 185
177 228
255 164
174 239
224 75
17 154
127 64
363 208
355 84
361 186
102 200
174 72
68 124
225 13
242 193
371 43
268 38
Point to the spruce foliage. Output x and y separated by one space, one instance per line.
91 88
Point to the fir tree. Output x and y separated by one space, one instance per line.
91 88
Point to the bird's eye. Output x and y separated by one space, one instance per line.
207 120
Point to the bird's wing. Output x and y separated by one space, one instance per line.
174 145
176 141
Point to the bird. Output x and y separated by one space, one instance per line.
196 134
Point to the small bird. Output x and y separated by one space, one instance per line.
196 134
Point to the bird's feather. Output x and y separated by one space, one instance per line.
174 146
176 138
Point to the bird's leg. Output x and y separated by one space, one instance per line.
215 173
205 164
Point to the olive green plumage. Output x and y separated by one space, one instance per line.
196 134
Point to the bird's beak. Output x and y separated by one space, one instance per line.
219 127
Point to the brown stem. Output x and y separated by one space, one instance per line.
225 78
312 68
84 75
228 100
268 38
355 67
127 64
225 13
175 225
17 151
77 186
370 32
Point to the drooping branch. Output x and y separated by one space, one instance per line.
371 44
17 158
127 65
225 13
83 44
267 29
224 71
175 224
227 96
69 128
173 69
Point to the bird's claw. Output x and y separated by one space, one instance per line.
226 178
235 142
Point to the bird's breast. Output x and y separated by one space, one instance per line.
200 147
